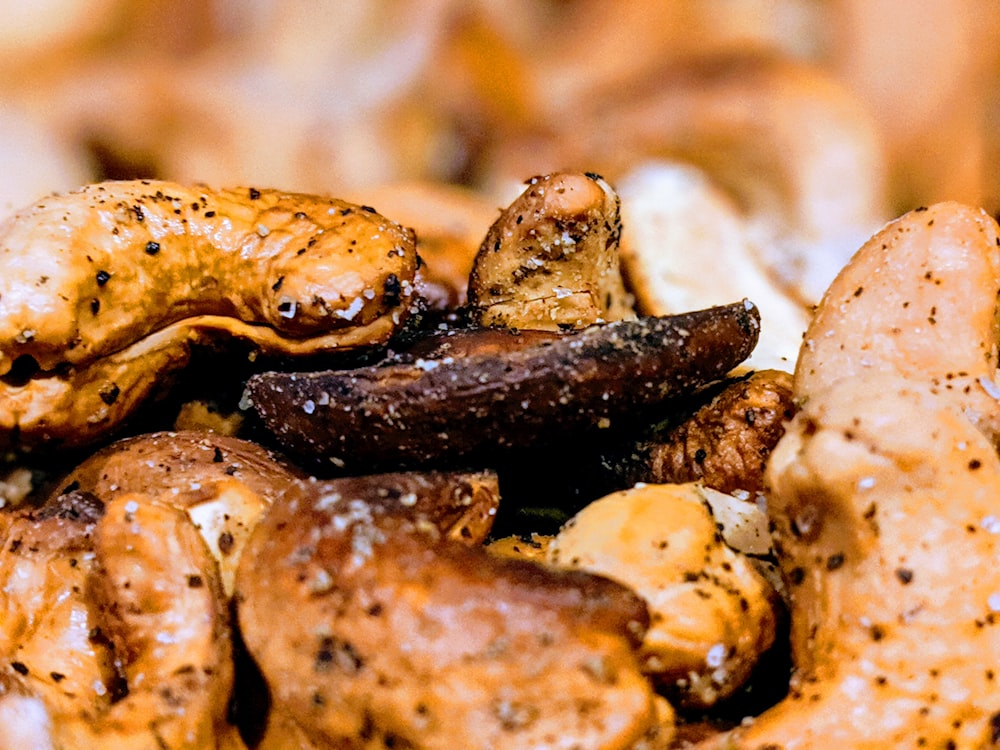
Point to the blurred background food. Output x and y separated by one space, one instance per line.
830 115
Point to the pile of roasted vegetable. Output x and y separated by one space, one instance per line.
295 486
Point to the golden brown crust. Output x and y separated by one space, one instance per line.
393 635
726 443
109 285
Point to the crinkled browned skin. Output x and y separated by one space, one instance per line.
884 502
390 635
550 261
725 444
116 627
105 289
413 412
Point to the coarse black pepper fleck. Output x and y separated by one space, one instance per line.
109 393
103 277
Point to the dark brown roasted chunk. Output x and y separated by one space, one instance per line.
393 635
725 444
414 412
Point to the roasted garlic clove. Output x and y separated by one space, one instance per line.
412 412
105 289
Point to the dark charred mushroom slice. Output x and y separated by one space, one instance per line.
408 413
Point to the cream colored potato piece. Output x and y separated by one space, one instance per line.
685 246
919 300
712 614
884 501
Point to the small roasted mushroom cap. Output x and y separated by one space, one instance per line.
550 261
390 634
107 287
223 484
414 412
724 445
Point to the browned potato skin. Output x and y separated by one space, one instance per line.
550 261
725 444
392 635
107 287
415 412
